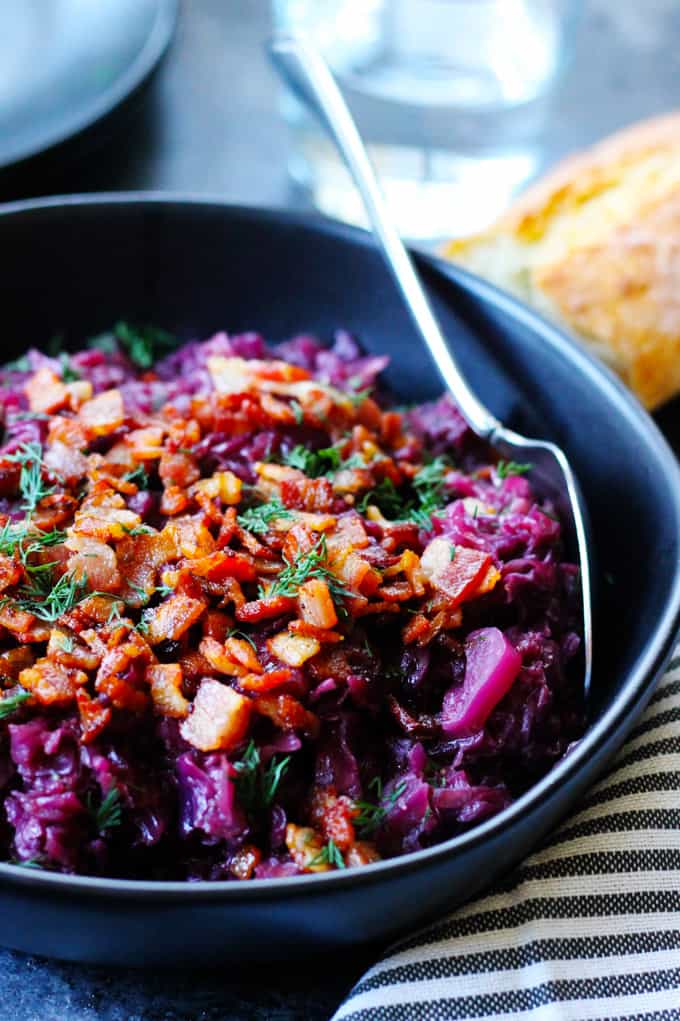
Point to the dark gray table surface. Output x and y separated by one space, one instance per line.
209 124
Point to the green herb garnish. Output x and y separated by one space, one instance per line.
372 814
258 519
68 373
31 483
303 568
256 787
427 486
49 601
504 469
142 344
296 408
21 364
109 813
330 854
139 476
139 530
235 632
11 703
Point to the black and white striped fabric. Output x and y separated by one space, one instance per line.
586 929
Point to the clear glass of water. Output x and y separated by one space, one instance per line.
451 97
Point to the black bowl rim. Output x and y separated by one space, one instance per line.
146 61
638 687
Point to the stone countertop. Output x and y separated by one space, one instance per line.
209 124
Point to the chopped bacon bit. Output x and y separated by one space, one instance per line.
305 494
65 462
178 469
10 572
190 536
456 571
305 846
355 573
287 712
103 414
46 392
63 647
194 666
241 651
216 624
361 853
95 562
165 680
293 649
52 683
397 592
121 673
214 652
139 560
104 521
334 816
316 605
298 541
245 861
172 617
263 609
487 582
16 620
224 486
224 564
13 661
174 501
219 717
268 681
418 629
322 635
146 444
94 717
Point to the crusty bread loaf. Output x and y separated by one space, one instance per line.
596 245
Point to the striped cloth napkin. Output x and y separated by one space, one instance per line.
588 927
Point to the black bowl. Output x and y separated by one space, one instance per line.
74 266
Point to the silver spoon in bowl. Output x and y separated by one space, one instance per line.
308 75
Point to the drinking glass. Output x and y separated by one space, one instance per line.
451 97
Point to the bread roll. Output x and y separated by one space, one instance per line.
596 245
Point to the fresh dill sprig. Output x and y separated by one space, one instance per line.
139 476
305 567
385 496
427 485
139 530
373 814
296 408
31 482
21 364
109 813
324 462
256 787
330 854
142 344
10 703
49 601
504 469
235 632
22 538
68 373
258 519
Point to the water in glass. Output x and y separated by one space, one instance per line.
450 96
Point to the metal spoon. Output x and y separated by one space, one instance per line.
306 72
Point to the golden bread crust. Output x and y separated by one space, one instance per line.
596 243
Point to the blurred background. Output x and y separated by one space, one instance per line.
461 101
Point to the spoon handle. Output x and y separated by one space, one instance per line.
308 75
